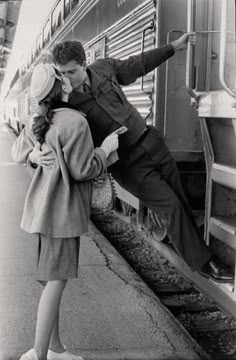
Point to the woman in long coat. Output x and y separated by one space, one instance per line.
57 205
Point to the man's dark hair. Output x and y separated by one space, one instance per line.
67 51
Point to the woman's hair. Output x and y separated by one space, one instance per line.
43 119
67 51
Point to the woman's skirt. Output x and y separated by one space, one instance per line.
57 258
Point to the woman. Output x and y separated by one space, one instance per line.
57 205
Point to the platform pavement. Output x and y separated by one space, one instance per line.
108 313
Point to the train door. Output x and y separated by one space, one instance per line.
176 119
216 108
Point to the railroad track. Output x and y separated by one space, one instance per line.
212 329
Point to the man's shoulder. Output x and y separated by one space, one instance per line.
102 64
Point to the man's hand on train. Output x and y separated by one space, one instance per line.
182 42
42 158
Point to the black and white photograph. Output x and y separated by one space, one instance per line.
117 179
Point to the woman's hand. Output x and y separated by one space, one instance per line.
110 143
43 158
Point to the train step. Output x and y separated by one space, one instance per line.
224 229
224 175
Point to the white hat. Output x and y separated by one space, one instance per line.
42 81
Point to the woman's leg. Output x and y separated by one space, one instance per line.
55 341
48 311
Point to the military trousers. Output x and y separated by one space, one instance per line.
149 172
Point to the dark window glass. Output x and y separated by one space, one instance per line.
56 17
46 32
74 3
66 8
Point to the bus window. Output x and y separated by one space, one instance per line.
46 32
56 17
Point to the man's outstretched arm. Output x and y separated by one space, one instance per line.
127 71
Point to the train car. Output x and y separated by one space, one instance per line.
190 99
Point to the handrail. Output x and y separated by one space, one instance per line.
150 26
167 72
190 52
167 80
231 92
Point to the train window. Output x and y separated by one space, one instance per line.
230 58
70 5
66 8
28 61
220 48
74 3
34 52
47 57
31 57
46 32
39 43
56 17
22 70
28 104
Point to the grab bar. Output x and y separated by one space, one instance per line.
231 92
190 53
150 26
167 80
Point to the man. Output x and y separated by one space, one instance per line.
145 167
